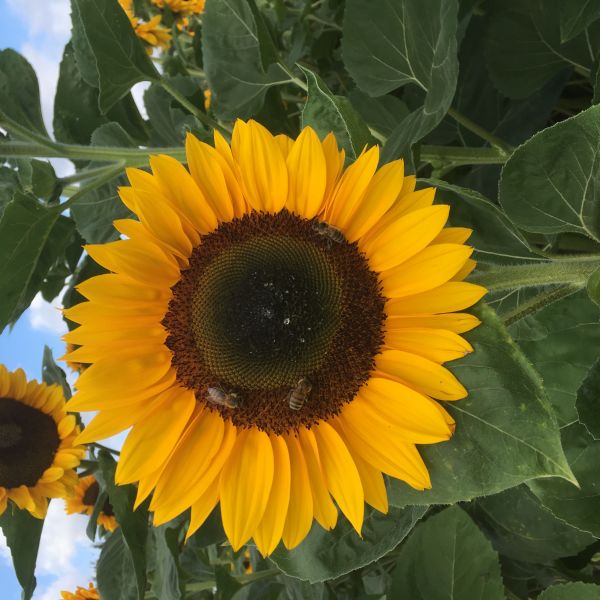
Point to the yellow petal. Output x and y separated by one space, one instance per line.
448 297
334 159
465 270
22 498
245 485
202 508
408 186
231 173
66 426
379 197
385 452
341 474
324 509
429 269
373 484
457 322
285 143
17 384
262 166
53 473
115 290
65 460
307 173
177 184
300 510
453 235
204 163
92 311
395 243
351 189
122 335
413 201
269 532
155 435
421 374
438 345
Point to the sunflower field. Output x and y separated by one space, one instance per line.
334 280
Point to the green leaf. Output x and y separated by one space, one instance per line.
577 15
494 237
382 114
133 524
404 42
53 374
563 348
44 182
325 555
120 57
506 432
22 532
524 46
9 184
113 571
25 228
588 401
325 112
593 287
233 59
551 184
227 585
447 557
165 579
522 529
571 591
19 92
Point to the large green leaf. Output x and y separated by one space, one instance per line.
404 42
447 557
120 57
237 66
571 591
22 532
551 184
9 184
132 524
53 374
19 92
492 449
522 529
25 229
524 45
165 579
577 15
325 555
562 342
588 401
113 571
325 112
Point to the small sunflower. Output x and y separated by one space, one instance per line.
84 499
273 331
152 32
37 444
182 7
91 593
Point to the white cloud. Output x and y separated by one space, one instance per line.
43 17
44 316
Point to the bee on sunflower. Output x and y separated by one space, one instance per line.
38 453
273 330
83 500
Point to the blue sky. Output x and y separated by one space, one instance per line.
39 30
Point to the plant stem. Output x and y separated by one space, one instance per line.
87 174
458 155
484 134
199 114
243 579
105 178
538 302
293 79
574 271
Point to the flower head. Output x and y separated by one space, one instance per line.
91 593
273 330
152 32
84 499
37 448
185 8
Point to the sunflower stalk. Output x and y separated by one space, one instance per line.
242 579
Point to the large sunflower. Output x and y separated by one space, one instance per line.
37 444
273 331
83 500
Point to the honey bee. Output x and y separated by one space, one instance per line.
218 396
299 394
333 234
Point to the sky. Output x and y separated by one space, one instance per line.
39 29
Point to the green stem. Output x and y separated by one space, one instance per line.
574 271
293 79
88 174
484 134
108 176
538 302
199 114
243 579
102 447
458 155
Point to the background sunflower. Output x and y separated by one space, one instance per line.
83 500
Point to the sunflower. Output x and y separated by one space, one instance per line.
84 499
273 330
74 366
152 32
91 593
182 7
37 449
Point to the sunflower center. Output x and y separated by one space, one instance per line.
270 301
28 442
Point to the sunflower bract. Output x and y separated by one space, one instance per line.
273 329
